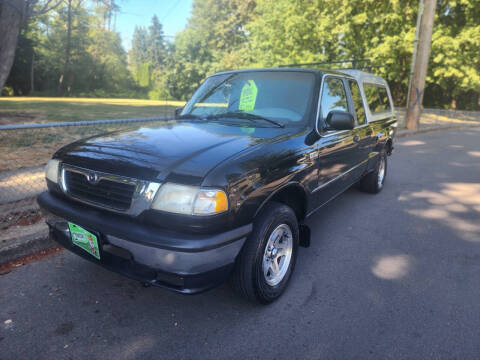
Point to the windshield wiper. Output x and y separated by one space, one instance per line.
247 116
190 116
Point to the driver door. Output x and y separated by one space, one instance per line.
337 150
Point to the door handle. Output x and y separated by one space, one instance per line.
356 138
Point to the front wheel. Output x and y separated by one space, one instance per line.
374 181
267 260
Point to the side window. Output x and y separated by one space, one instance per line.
357 101
333 96
377 98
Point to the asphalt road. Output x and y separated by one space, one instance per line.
390 276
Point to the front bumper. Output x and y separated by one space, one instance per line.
184 263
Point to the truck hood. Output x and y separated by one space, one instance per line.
174 151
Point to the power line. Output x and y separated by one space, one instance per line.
130 13
169 11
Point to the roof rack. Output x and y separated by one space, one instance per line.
357 64
367 68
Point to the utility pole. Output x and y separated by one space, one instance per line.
415 49
420 59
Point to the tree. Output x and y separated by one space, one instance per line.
108 10
149 53
14 14
138 52
109 71
231 34
66 68
284 32
155 44
138 57
66 46
21 77
219 28
211 42
96 64
453 79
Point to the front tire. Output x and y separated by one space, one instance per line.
374 181
266 262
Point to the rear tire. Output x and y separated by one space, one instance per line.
374 181
266 262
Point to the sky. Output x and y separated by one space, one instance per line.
173 14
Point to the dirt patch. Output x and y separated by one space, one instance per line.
25 206
24 260
28 219
23 218
25 148
9 117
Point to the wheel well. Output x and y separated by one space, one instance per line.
294 197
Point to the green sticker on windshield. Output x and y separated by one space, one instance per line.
248 96
247 130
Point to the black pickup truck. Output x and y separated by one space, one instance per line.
224 188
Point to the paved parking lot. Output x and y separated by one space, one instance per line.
391 276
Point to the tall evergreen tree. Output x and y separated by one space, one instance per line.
155 41
138 52
138 56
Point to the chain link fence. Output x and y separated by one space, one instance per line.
25 149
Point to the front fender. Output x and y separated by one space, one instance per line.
291 192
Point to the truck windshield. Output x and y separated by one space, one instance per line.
283 97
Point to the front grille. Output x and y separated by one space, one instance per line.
105 193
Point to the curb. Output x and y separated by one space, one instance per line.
25 245
404 132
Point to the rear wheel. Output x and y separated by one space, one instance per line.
374 181
267 260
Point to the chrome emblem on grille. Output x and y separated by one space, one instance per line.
92 178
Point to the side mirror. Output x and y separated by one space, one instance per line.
340 120
178 110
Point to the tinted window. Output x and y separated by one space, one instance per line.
333 96
377 98
357 101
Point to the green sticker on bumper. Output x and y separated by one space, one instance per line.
84 239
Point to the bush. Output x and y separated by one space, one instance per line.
158 94
7 91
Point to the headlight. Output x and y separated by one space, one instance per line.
190 200
51 170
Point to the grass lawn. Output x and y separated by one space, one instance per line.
17 110
32 147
